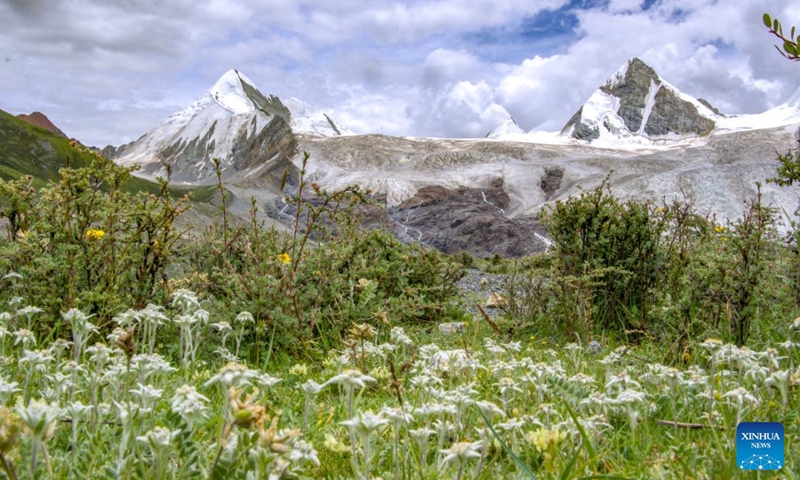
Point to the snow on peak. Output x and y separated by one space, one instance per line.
794 100
509 127
229 92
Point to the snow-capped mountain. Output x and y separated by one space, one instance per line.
636 104
509 127
232 121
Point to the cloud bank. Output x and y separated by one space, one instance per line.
107 72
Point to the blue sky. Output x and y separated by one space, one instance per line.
107 72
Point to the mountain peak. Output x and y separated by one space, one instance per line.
39 119
634 68
508 127
229 91
636 103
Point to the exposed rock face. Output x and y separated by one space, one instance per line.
633 92
466 219
635 101
40 120
580 130
551 180
670 114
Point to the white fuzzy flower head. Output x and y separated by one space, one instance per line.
244 317
185 300
7 389
81 326
303 452
365 424
233 374
147 394
461 452
25 337
189 404
158 438
76 410
796 325
741 396
311 387
350 379
39 418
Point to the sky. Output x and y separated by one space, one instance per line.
106 72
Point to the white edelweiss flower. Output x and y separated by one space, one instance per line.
147 394
265 380
189 404
233 374
244 317
399 337
365 424
39 418
741 396
351 379
461 452
159 437
303 452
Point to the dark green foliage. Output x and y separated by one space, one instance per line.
310 285
615 244
85 241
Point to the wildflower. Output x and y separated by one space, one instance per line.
158 437
350 379
7 389
245 413
299 369
9 431
461 452
796 325
334 445
712 344
39 419
94 234
303 452
284 258
265 380
189 404
232 374
542 439
148 395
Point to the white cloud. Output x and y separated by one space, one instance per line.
108 71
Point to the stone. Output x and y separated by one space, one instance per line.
496 301
449 328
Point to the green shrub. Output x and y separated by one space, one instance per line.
87 242
614 246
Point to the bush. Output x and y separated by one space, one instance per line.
614 246
86 241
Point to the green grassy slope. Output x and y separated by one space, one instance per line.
26 149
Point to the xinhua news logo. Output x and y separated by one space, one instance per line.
759 446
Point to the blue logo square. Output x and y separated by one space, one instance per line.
759 446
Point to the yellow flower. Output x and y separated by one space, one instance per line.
542 438
334 445
285 258
719 229
93 234
299 369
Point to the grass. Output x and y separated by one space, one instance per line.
26 149
428 405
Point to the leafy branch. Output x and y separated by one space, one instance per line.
790 48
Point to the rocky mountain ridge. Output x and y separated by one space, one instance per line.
39 119
636 101
482 196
